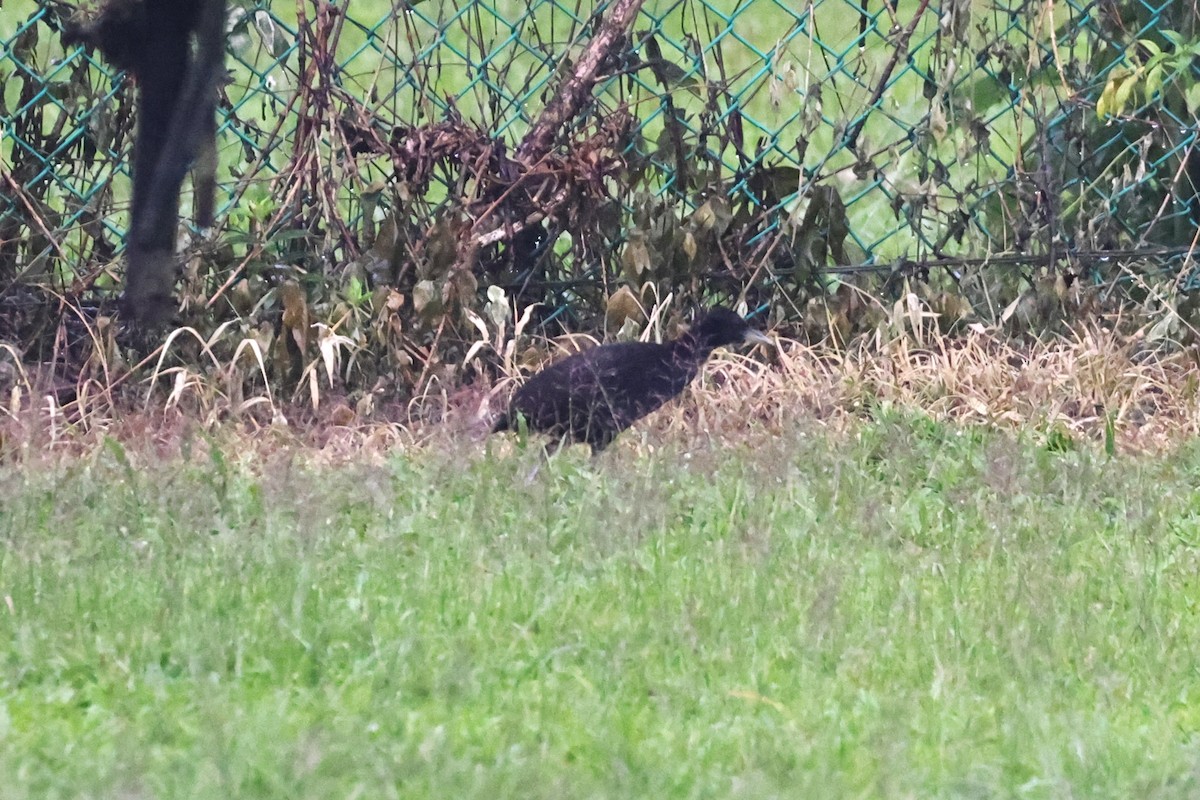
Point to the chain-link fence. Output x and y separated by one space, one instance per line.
748 148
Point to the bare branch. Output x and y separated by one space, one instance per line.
575 90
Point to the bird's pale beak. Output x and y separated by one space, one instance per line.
758 338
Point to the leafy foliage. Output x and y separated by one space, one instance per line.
1021 168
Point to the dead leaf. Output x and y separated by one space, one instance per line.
635 257
622 305
295 313
427 299
342 415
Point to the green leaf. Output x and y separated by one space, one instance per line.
1124 92
1192 98
355 290
1154 79
1111 100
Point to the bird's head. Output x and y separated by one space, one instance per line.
720 327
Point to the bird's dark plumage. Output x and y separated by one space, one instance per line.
594 395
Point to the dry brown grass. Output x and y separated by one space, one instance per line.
1084 385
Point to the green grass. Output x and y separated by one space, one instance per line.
908 610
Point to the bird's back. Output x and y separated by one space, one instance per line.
593 395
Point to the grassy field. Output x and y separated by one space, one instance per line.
901 609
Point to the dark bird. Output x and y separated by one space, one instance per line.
594 395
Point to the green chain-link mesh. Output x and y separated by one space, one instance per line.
951 129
